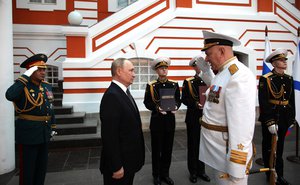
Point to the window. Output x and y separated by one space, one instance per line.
143 73
124 3
41 5
43 1
52 75
116 5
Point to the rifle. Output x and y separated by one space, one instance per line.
272 161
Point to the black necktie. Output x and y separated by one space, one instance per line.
131 98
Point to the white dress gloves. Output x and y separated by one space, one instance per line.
273 129
206 72
30 71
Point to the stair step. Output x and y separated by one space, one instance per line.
70 141
88 127
63 110
76 117
58 95
56 88
57 102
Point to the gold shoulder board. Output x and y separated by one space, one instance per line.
268 74
172 81
152 82
233 69
45 82
191 78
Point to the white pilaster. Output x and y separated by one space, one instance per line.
7 141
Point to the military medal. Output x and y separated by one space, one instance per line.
214 94
49 95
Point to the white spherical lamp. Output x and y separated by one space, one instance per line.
75 18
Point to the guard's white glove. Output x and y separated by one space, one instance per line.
235 179
273 129
30 71
161 111
174 111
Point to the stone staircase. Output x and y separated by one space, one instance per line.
75 129
78 129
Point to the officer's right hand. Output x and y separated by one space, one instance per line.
30 71
273 129
202 64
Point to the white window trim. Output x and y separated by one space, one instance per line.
113 6
25 4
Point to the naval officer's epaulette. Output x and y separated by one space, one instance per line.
152 82
268 74
172 81
233 69
190 78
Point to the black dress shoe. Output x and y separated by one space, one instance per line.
193 178
156 181
204 177
282 181
167 180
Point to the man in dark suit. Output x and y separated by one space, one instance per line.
33 98
191 98
123 150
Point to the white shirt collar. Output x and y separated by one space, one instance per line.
123 87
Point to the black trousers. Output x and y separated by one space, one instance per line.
162 146
195 166
126 180
266 146
33 164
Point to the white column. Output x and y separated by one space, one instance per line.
7 136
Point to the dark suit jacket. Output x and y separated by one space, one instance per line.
121 133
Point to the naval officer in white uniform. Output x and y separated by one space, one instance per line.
229 112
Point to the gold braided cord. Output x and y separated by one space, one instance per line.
276 95
35 103
194 96
156 101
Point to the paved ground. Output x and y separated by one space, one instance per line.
79 166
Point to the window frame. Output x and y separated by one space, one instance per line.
37 6
138 64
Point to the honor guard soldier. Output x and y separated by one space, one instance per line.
228 121
190 98
32 98
162 123
277 109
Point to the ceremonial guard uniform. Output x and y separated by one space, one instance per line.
277 107
229 113
162 124
33 106
190 98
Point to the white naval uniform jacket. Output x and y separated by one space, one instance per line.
236 110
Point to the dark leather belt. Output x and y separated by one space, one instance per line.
214 127
34 118
277 102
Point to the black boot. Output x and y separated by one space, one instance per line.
156 181
282 181
167 180
193 178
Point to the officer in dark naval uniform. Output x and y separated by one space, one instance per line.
32 98
162 123
277 109
190 98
